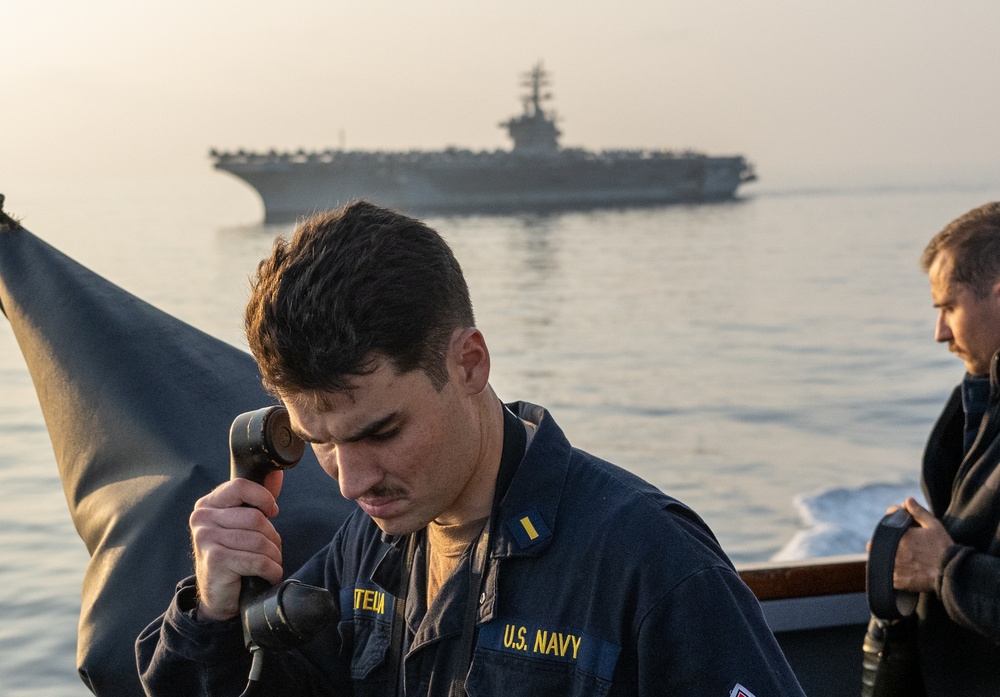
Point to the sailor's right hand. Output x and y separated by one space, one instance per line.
921 551
233 537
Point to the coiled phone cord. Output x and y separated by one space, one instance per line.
256 667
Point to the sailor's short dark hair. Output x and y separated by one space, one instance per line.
973 243
353 286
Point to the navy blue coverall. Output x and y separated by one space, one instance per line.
597 584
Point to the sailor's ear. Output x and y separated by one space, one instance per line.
469 358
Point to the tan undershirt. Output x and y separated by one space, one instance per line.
445 546
447 543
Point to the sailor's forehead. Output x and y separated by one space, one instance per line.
940 272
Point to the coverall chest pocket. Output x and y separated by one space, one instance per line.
518 658
513 676
366 627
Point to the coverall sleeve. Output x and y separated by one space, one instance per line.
967 588
178 655
708 636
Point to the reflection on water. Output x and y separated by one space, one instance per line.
736 355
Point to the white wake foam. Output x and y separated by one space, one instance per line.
841 521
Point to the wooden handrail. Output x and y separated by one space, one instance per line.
805 578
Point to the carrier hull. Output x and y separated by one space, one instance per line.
291 186
537 174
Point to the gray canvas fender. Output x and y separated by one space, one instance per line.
138 406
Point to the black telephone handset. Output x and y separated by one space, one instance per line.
284 616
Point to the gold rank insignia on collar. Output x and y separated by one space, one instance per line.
528 528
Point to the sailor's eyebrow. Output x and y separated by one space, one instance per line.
366 431
372 428
304 436
943 299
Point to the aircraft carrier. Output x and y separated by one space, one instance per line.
536 174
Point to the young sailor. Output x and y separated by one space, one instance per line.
488 556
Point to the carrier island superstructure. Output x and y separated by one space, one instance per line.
536 174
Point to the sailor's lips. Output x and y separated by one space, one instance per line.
382 507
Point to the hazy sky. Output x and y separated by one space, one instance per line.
812 92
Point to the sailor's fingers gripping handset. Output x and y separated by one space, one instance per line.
261 442
288 614
230 530
230 541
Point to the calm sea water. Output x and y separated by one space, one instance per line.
768 361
